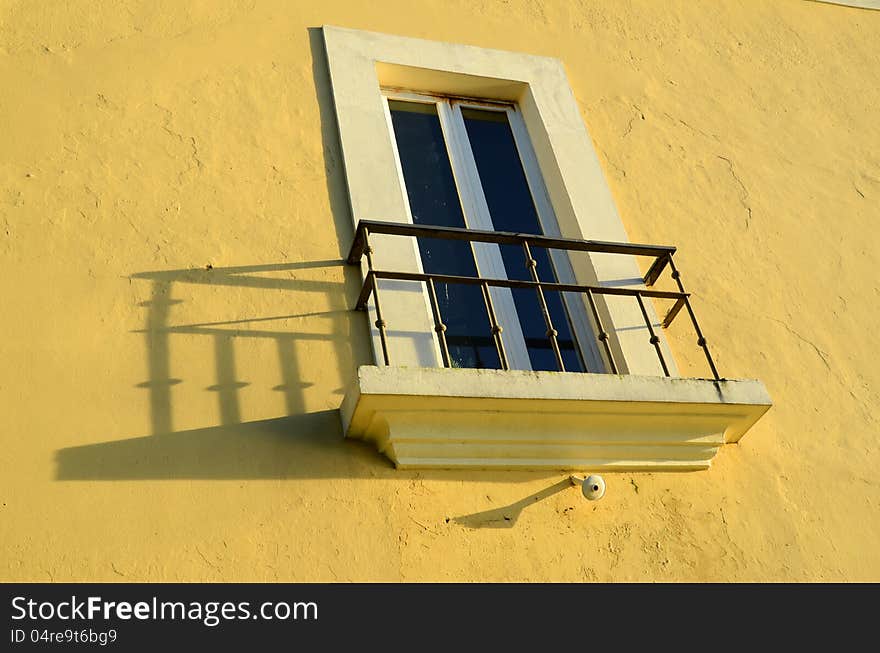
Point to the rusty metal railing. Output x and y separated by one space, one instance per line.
661 255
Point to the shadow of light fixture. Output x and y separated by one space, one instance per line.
592 487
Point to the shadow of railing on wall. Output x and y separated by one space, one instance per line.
302 443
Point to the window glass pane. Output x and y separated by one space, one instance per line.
433 200
512 209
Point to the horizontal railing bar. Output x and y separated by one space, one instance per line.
507 283
500 237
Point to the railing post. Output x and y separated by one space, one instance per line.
496 328
602 335
701 341
439 327
380 323
532 265
654 339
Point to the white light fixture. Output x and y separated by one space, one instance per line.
593 486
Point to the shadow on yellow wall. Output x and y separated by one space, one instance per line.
506 516
300 444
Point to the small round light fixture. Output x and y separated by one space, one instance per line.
593 486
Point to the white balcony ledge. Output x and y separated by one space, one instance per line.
436 418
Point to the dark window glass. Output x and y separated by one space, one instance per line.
433 200
512 209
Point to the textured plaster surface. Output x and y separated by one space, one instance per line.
176 334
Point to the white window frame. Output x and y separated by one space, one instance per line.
475 210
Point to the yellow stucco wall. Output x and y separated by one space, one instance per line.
164 421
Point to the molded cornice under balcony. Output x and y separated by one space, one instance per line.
439 418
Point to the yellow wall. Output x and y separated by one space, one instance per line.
163 421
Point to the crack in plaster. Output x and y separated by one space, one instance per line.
189 141
745 193
629 125
691 127
823 355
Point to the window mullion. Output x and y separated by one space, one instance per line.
476 211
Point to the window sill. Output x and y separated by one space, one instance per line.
424 418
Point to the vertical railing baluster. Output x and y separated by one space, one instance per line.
701 341
496 328
603 335
532 265
654 339
380 322
439 327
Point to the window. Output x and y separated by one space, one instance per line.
468 163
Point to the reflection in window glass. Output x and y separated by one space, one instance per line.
433 200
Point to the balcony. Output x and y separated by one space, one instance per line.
513 419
